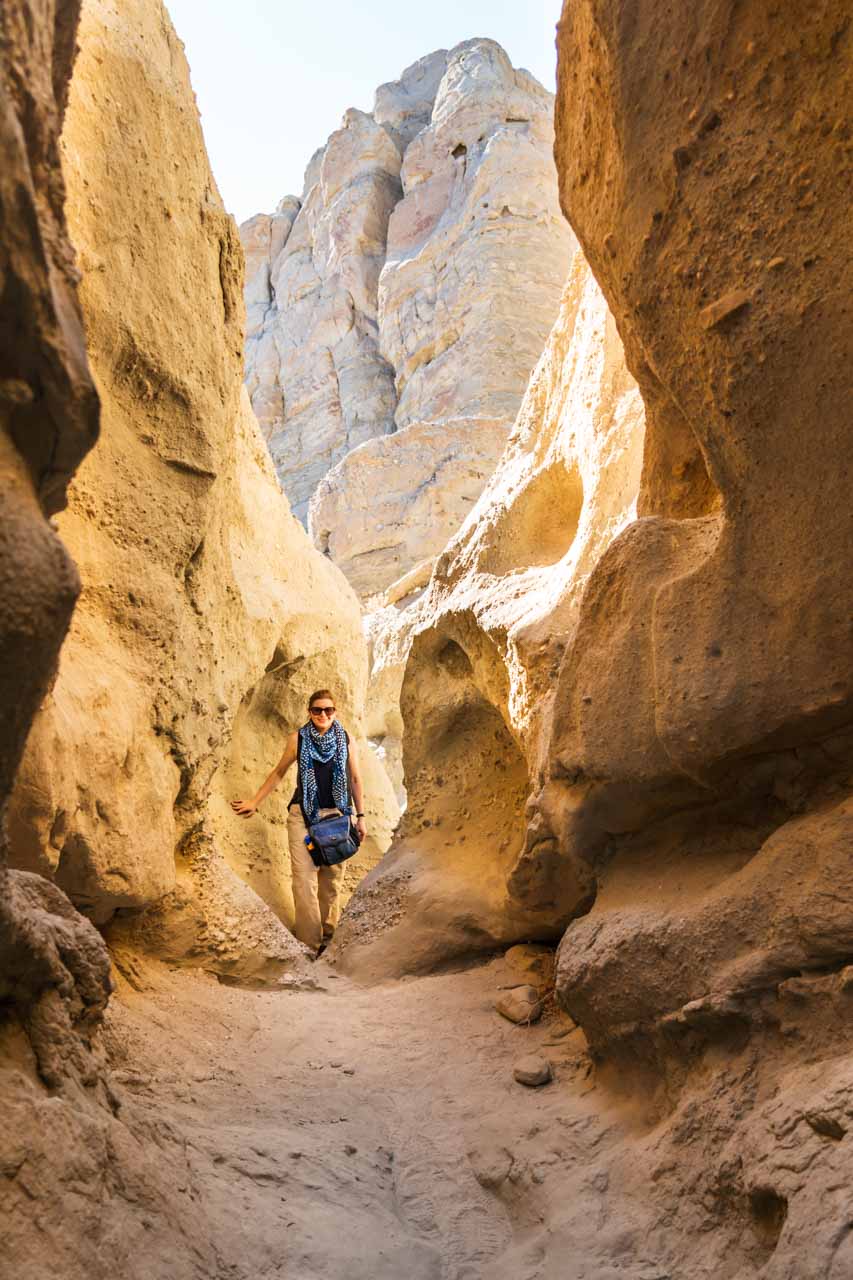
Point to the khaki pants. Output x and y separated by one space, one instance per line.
316 890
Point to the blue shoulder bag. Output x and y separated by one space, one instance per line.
332 840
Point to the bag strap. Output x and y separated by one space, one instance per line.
300 790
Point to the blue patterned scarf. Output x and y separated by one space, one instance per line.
323 747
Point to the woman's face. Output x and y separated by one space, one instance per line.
322 713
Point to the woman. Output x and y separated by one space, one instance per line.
328 775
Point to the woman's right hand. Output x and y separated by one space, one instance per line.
244 808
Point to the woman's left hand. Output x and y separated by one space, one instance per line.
361 828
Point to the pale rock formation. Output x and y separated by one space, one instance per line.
263 238
206 616
313 369
480 651
472 250
397 499
477 251
404 107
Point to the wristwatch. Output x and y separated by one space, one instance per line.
359 815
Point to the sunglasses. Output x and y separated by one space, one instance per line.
321 711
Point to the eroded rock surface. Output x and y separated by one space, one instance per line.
633 718
669 652
54 972
202 625
709 684
59 1129
408 380
472 662
313 369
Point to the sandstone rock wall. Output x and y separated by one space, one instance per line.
202 625
702 718
472 663
389 396
59 1133
54 973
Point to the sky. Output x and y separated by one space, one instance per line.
274 77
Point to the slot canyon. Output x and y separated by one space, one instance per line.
524 427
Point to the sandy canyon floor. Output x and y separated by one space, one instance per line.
325 1130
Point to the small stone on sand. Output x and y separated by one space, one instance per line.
532 1070
521 1004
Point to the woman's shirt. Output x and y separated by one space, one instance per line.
323 777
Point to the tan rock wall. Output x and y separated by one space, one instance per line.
196 577
472 664
712 663
59 1132
195 580
54 972
753 392
676 677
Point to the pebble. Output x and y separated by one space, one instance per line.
491 1164
532 1070
534 963
521 1004
728 305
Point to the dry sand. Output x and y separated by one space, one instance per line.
340 1132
